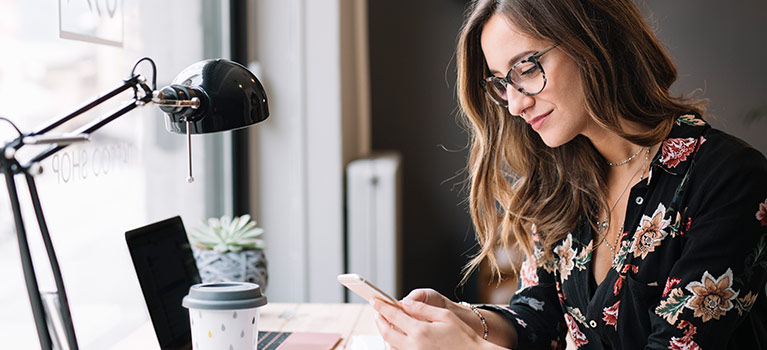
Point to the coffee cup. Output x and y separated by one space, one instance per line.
224 315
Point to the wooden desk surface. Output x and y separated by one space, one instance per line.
346 319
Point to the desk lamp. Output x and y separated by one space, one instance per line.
208 96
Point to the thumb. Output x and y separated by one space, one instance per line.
419 295
428 296
425 311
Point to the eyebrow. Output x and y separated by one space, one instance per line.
515 59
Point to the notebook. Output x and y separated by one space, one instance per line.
165 267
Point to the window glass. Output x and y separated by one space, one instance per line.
130 174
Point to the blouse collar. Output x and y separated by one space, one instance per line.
681 145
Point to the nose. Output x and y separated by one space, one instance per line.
518 101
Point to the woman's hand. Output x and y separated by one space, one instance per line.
430 297
433 298
425 322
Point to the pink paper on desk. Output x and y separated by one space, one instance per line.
311 341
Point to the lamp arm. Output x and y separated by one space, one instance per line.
63 301
87 129
142 95
30 278
10 166
131 82
59 139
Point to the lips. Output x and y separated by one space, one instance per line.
538 121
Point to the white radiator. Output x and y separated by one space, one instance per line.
373 187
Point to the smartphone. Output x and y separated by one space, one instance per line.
364 288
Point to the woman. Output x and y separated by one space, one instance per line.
643 226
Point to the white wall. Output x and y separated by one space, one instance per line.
300 147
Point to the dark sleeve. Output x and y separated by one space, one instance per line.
534 310
721 270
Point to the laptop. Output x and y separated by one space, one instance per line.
165 266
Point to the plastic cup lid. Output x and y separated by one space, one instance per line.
224 296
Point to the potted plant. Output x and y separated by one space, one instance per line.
228 249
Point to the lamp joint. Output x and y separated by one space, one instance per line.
35 169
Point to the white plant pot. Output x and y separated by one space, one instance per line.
244 266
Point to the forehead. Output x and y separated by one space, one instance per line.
503 43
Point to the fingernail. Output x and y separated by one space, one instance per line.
372 302
407 302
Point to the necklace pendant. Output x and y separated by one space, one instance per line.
603 226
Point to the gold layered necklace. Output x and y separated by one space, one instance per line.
605 224
627 159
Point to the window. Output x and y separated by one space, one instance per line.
132 172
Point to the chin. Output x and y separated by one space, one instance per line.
553 141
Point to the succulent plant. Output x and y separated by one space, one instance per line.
228 235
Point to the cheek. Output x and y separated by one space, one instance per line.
571 105
572 100
565 125
565 81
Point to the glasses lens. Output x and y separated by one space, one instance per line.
496 89
528 77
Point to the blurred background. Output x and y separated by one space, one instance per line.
359 168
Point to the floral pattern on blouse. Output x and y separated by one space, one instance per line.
534 303
691 267
527 275
610 315
672 306
622 253
744 304
649 234
565 257
671 282
521 323
712 297
584 257
690 119
685 342
761 214
579 339
676 150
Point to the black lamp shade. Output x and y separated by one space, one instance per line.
231 97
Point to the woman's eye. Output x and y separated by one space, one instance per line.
530 71
525 70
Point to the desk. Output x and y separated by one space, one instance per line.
346 319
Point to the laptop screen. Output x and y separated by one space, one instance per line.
166 269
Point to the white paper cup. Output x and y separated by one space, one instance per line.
224 316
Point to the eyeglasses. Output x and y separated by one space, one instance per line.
527 76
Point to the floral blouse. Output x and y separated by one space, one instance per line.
692 265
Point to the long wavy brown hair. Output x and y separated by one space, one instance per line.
516 180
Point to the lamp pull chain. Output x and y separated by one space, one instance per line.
189 179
